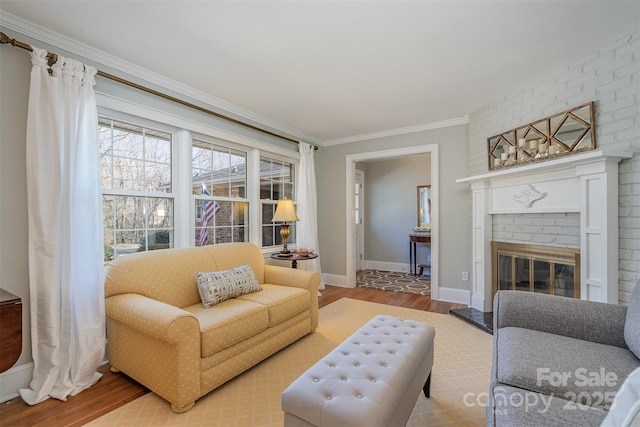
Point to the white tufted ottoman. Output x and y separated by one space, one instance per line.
371 379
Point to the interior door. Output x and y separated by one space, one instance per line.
359 219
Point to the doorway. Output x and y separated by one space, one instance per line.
351 243
359 219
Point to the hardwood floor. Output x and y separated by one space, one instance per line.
115 390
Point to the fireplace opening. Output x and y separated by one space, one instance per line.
544 269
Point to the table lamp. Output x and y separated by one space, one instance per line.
285 212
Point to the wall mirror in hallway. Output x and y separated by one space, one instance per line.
424 205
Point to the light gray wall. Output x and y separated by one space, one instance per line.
454 199
610 76
391 207
14 269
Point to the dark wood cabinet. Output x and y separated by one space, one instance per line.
10 329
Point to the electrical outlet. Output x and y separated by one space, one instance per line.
465 276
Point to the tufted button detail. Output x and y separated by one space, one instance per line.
383 339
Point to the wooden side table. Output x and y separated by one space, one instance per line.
294 258
413 255
10 329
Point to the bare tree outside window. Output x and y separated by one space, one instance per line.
136 187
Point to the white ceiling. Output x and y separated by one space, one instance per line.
333 71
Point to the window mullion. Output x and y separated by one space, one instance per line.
184 201
253 195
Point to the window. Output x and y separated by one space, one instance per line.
219 183
137 193
165 186
276 182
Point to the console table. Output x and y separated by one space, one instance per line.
413 255
10 329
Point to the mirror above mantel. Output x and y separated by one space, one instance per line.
568 132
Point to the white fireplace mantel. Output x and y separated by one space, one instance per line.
586 183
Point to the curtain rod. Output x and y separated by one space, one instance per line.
53 57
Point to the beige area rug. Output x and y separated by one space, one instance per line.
460 376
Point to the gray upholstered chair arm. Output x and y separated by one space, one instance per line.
585 320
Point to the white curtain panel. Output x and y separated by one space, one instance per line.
307 208
66 272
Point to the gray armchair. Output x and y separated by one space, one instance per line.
559 361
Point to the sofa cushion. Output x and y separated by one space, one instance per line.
562 366
632 322
283 302
511 406
228 323
217 286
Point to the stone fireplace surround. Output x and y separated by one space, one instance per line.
585 183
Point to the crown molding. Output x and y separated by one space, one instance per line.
100 57
399 131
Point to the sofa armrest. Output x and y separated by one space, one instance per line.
586 320
308 280
153 318
285 276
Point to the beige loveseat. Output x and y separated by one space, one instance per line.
161 335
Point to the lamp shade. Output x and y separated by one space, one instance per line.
285 211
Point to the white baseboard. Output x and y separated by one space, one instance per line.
458 296
14 379
389 266
336 280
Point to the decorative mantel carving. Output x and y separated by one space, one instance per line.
528 195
